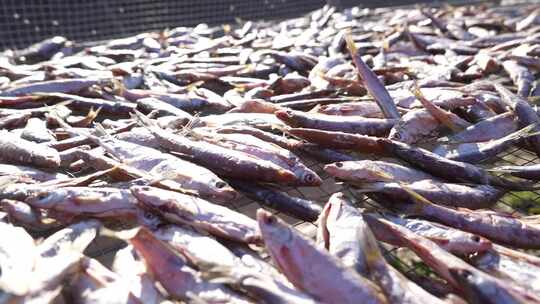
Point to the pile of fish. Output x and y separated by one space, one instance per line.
152 139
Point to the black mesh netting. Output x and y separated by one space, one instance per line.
23 22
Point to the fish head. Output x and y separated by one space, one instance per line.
48 198
334 169
323 234
284 115
273 230
222 191
146 196
311 178
474 288
149 219
49 159
468 244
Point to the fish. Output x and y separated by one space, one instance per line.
156 163
340 140
368 171
52 86
258 286
177 278
300 208
415 126
18 257
291 253
445 168
131 268
25 152
94 282
222 160
373 86
447 194
21 214
446 118
450 239
508 264
447 266
489 129
361 108
79 201
523 110
520 75
497 227
344 233
531 172
347 124
31 173
260 149
36 131
190 210
482 151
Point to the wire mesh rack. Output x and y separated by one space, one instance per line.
25 22
515 203
21 25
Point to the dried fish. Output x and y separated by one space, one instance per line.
291 252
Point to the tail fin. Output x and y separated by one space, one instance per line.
449 119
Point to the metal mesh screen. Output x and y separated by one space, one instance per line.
25 22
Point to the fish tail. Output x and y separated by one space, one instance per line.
143 120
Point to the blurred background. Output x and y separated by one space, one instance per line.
23 22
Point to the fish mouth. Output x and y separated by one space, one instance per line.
226 194
265 217
284 115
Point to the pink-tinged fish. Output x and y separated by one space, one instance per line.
18 150
450 239
489 129
86 201
173 273
131 269
472 282
345 234
312 270
190 210
372 83
347 124
369 171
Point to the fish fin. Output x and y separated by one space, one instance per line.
369 245
121 235
350 42
72 130
143 120
413 194
93 114
101 132
118 87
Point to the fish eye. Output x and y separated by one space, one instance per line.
148 215
270 220
339 165
309 178
42 196
220 185
475 238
